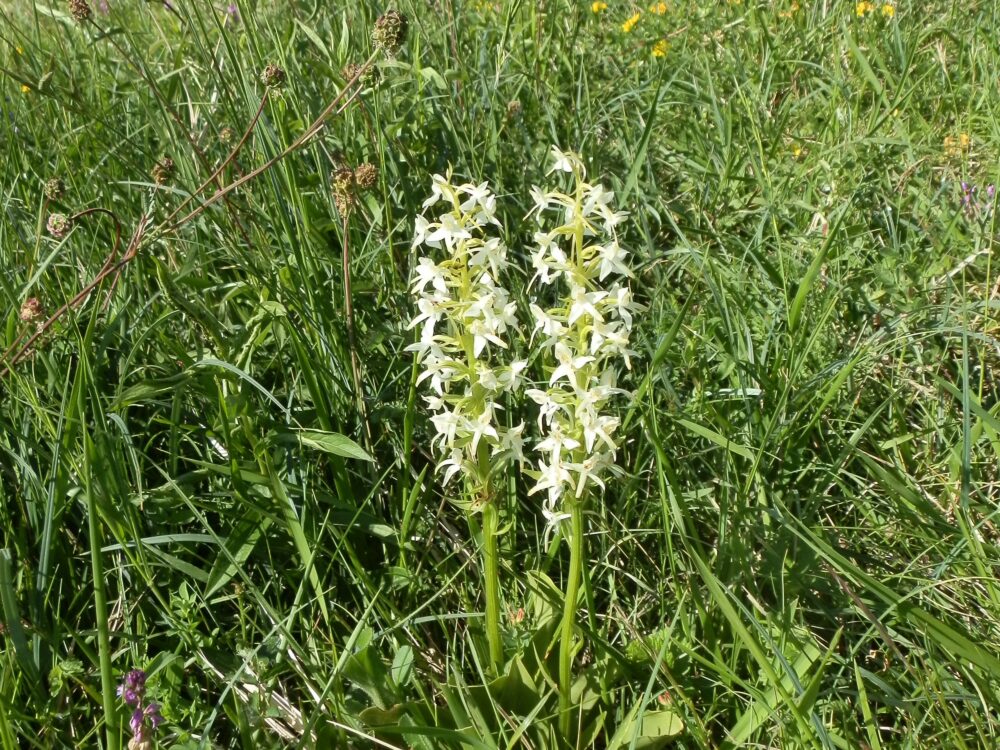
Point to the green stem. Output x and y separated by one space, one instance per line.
569 619
101 610
491 571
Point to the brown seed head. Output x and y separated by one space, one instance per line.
163 171
55 188
370 78
390 32
272 76
80 10
344 190
32 310
366 175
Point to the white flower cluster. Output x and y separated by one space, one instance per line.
582 336
465 316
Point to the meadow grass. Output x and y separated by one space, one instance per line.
803 550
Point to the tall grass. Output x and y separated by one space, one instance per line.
804 552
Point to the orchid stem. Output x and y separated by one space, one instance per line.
569 619
491 571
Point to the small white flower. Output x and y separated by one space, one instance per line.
452 465
438 187
584 303
429 272
549 406
420 227
512 442
482 426
541 201
446 423
510 378
612 260
556 443
448 229
430 314
565 162
547 324
569 365
491 254
620 299
553 477
596 197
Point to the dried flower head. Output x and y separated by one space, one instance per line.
227 135
390 30
80 10
55 188
273 76
344 190
32 310
514 110
163 171
366 175
59 225
370 76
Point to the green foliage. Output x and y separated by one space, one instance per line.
803 552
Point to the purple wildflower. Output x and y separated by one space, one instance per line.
133 687
233 11
976 204
152 712
144 719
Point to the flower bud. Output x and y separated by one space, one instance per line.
55 188
273 76
59 225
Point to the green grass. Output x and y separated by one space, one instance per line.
804 549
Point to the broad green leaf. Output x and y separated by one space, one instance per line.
332 442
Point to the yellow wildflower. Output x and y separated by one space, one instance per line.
25 88
599 6
630 23
863 8
796 150
658 8
792 10
956 146
19 49
660 48
888 10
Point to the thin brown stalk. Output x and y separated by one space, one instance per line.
225 162
111 264
313 129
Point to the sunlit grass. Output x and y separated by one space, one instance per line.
803 549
